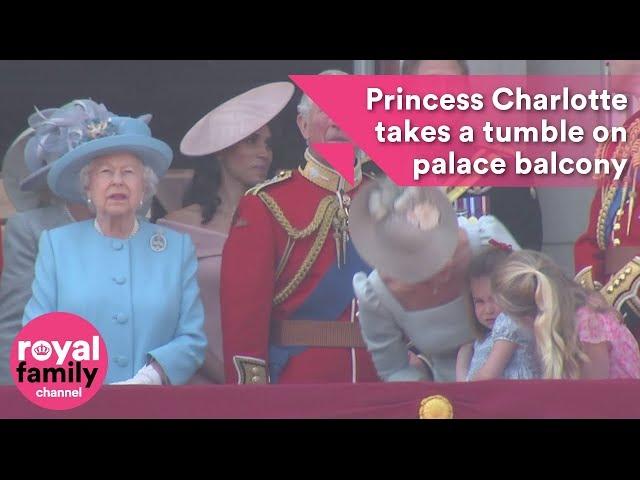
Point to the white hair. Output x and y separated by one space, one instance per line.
149 179
304 107
410 67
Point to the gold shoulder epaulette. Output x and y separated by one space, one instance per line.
454 193
621 289
585 278
280 177
492 151
623 285
478 190
484 151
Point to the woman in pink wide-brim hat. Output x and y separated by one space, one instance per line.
234 141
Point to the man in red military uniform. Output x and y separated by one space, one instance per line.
287 303
605 253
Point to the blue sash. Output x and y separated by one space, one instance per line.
611 215
331 297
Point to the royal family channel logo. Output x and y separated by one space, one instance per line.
59 361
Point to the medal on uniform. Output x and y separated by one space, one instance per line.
341 224
158 242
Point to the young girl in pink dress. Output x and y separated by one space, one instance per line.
577 334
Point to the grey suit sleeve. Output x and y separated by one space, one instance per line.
20 250
384 338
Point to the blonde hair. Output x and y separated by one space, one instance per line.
530 284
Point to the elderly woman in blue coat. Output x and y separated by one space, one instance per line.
134 281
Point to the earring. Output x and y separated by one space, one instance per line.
141 203
88 201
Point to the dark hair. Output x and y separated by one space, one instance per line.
483 265
204 188
157 210
409 67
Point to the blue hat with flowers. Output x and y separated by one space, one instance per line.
70 137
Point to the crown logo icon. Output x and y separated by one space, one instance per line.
41 350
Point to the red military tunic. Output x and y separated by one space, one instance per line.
256 245
602 254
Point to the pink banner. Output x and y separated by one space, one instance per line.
477 130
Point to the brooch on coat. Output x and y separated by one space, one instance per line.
158 242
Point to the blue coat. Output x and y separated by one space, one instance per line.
143 302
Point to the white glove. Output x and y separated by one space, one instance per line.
147 375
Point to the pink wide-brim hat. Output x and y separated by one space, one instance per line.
236 119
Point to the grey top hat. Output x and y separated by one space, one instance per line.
409 233
14 170
31 155
41 149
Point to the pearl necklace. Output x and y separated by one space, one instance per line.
67 212
136 227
